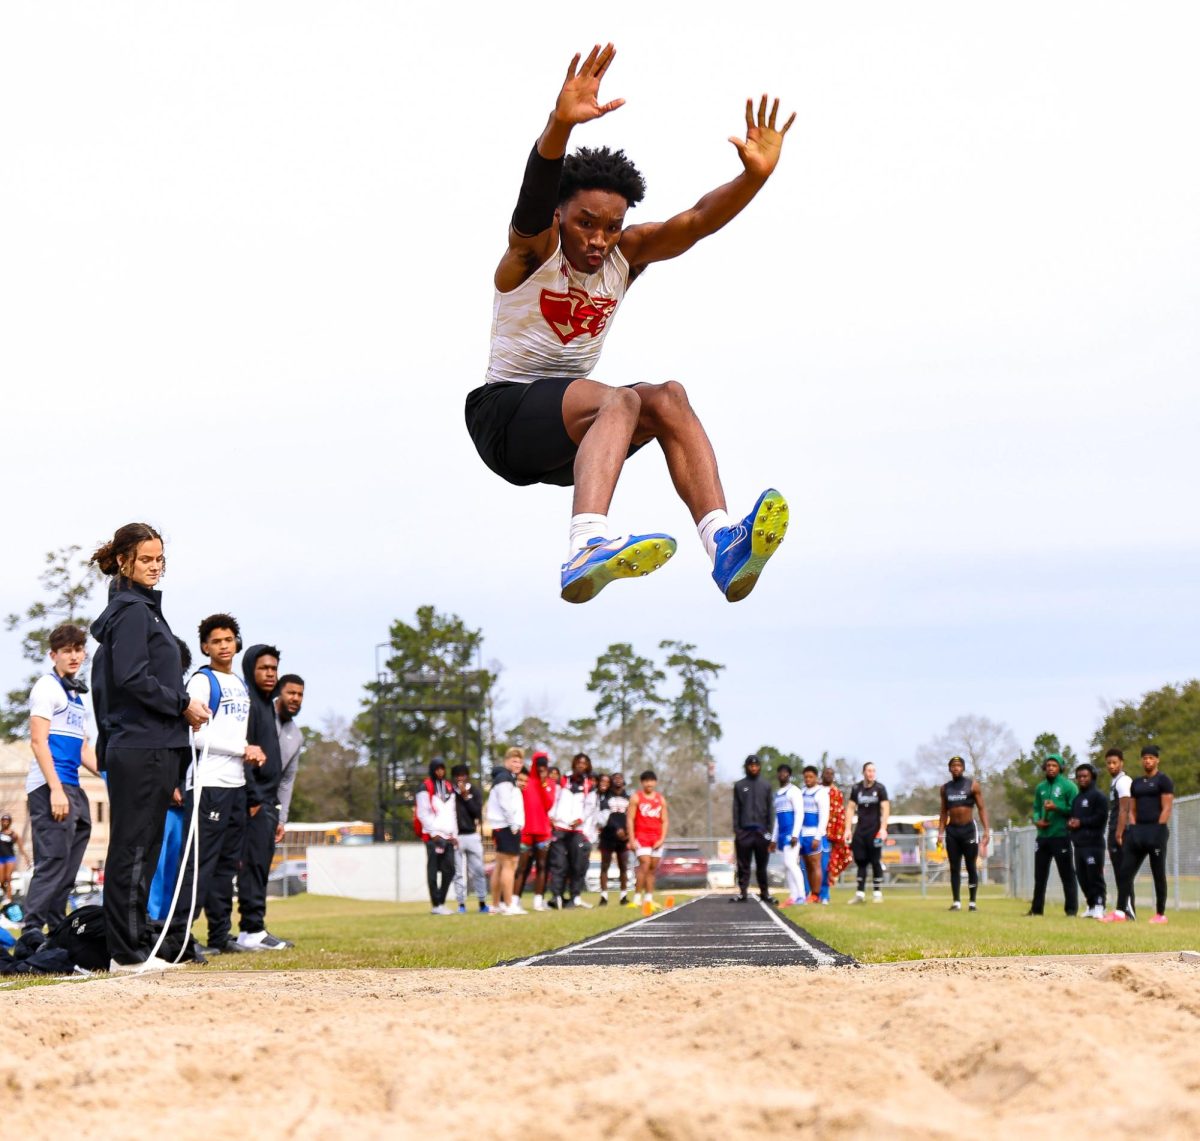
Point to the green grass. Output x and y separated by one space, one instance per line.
330 932
905 926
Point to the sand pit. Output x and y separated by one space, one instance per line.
924 1050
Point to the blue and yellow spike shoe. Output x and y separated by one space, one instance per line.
602 561
743 549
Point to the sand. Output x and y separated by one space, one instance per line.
929 1050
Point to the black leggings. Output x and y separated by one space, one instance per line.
1089 871
867 854
962 843
1140 841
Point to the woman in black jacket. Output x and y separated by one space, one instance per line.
143 713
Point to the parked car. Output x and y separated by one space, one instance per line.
722 875
288 877
682 867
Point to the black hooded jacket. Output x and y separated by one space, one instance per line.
1090 808
137 677
262 781
753 805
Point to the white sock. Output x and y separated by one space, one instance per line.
586 526
603 894
649 894
536 898
708 528
637 897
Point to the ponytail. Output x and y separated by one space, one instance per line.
123 547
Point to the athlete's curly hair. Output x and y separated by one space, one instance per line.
598 168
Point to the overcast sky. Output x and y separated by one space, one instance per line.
245 286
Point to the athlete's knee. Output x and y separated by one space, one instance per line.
664 404
623 400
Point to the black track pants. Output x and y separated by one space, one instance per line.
1053 850
1089 870
258 850
752 845
867 854
140 783
1142 840
569 856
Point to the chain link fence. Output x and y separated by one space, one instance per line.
1183 862
912 860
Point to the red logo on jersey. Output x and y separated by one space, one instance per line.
574 313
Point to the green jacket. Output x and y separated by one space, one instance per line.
1063 793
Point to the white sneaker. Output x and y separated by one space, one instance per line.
858 897
155 964
581 902
515 908
539 903
956 906
441 909
877 897
262 941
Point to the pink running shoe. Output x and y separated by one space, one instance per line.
1115 917
1158 919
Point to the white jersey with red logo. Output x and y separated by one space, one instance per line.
648 821
553 324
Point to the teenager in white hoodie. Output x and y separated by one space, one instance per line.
437 814
222 756
505 812
574 819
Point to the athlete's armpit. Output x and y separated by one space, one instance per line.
524 257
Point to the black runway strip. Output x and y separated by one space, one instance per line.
709 931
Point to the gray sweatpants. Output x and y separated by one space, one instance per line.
58 848
468 861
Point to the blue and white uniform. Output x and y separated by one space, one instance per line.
68 718
815 819
58 844
789 814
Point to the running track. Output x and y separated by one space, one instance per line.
708 931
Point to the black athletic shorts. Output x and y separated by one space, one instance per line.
518 431
508 842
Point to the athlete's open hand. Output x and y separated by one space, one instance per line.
578 100
764 142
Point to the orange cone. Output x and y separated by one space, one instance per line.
670 901
647 908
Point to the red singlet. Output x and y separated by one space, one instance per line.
648 823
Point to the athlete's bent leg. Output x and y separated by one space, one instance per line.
666 415
600 421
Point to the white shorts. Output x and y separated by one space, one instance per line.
653 853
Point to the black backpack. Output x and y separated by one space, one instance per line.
83 936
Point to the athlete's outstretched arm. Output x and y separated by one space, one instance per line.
533 233
759 152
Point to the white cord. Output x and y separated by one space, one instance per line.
192 841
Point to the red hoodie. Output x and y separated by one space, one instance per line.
539 799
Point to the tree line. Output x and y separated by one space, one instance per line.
434 696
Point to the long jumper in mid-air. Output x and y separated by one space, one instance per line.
539 418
